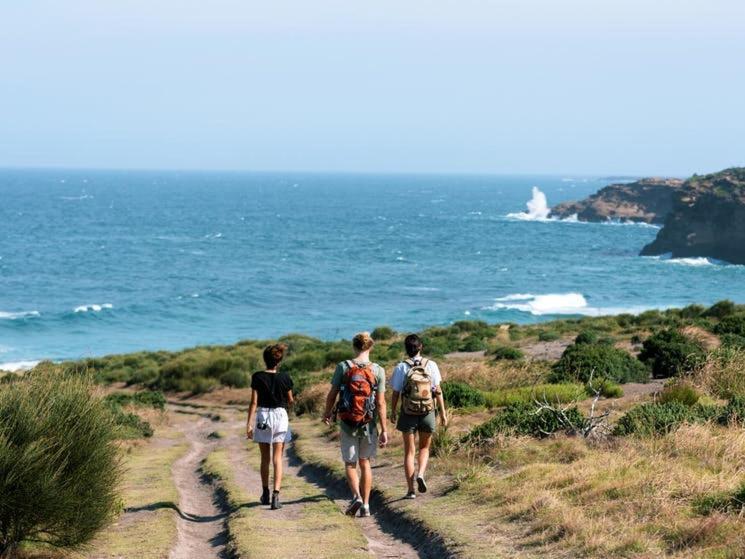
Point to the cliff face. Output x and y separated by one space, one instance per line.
646 200
708 219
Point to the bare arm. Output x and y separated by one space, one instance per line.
290 398
394 403
330 401
383 416
441 405
251 413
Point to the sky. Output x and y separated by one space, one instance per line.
462 86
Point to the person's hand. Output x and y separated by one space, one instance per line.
383 439
394 416
444 419
249 432
327 419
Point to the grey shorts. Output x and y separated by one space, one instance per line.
358 448
416 423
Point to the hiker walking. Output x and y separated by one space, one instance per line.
360 387
416 382
268 424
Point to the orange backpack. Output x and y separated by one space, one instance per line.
356 405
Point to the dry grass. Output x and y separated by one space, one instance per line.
490 376
630 498
722 373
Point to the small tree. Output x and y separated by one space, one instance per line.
59 466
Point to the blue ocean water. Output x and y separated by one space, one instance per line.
96 262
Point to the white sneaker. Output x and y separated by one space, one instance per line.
365 510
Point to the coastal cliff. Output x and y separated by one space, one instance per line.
707 219
647 200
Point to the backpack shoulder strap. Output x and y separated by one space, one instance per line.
409 362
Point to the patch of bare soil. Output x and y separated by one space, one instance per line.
545 351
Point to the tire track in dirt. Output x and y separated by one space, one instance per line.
200 522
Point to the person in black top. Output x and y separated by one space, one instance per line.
267 423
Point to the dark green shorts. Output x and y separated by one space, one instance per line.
413 423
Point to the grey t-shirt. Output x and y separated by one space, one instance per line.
336 381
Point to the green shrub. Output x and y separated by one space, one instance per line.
733 341
473 342
59 466
607 388
307 361
733 502
439 345
142 376
147 398
661 418
732 324
523 419
548 336
460 395
507 353
692 311
580 361
586 337
552 393
383 333
130 425
669 353
681 392
733 413
235 379
720 309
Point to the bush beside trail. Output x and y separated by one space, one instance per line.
523 419
59 465
669 353
580 361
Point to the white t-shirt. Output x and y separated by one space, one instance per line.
402 369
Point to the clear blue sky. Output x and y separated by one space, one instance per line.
510 86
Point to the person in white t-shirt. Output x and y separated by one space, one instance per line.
422 423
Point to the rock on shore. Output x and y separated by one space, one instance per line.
707 219
647 200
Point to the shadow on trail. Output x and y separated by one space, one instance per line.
398 525
173 506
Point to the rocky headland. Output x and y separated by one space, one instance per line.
647 200
707 219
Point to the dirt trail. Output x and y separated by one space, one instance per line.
200 524
384 535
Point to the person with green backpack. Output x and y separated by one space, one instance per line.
416 382
359 385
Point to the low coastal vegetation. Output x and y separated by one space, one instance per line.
567 431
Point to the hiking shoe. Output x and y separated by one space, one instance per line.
354 506
410 495
264 497
421 484
365 511
275 501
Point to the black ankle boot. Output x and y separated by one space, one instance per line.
275 501
265 496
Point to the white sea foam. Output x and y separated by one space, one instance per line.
538 209
93 308
14 366
81 197
556 303
16 315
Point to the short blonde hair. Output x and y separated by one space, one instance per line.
363 341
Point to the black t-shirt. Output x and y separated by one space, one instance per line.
272 388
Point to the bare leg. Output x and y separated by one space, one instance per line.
424 441
352 479
366 480
409 459
277 455
265 449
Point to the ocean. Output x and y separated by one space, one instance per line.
99 262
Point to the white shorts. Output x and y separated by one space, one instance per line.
358 448
275 423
